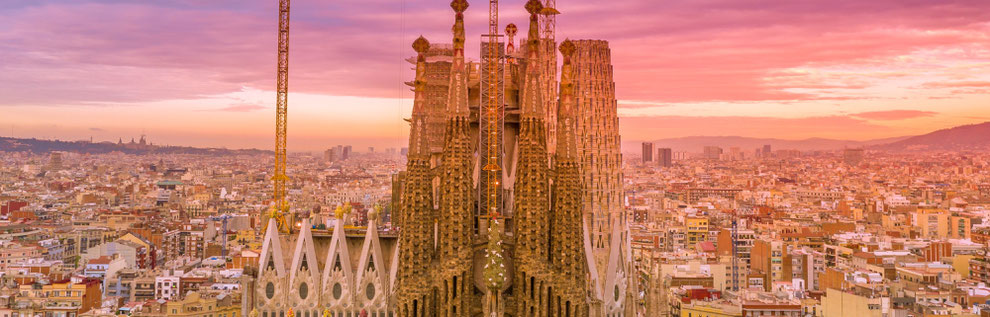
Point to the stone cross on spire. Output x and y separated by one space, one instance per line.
510 32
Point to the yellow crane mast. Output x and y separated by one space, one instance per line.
492 110
280 204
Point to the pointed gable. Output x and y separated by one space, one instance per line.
339 257
371 255
271 251
305 254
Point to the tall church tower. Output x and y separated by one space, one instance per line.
567 254
416 218
456 188
597 132
532 205
565 247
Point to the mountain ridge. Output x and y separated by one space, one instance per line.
969 137
8 144
696 144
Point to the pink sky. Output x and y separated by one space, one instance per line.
190 73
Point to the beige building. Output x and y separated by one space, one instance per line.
941 224
711 309
838 303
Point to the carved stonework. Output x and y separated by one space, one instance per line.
560 187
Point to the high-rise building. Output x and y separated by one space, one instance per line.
767 259
665 157
565 248
852 156
735 153
712 152
647 152
345 153
767 151
55 160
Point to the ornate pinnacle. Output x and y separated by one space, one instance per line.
534 7
421 45
459 6
511 30
567 49
565 110
374 213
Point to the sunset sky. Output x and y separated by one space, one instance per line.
202 73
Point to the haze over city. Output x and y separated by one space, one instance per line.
200 73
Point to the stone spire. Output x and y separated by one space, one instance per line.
568 258
532 99
531 194
416 218
456 187
566 109
457 102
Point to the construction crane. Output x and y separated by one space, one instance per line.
492 111
223 219
549 20
490 126
735 250
280 205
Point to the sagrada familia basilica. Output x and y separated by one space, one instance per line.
555 243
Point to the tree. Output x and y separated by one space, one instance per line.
495 264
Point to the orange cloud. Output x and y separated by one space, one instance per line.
957 84
894 114
240 108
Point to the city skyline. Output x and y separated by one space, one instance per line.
200 74
782 158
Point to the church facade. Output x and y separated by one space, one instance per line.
561 226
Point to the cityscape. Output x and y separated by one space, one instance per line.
529 174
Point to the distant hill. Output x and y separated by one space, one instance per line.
973 137
42 146
696 144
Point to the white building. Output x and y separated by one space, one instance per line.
167 286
